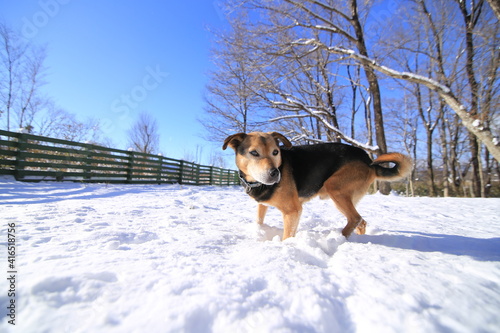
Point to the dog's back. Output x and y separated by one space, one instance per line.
312 165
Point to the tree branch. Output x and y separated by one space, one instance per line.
473 124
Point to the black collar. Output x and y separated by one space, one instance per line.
248 185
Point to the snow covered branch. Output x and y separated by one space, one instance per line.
481 131
327 124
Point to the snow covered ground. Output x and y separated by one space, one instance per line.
118 258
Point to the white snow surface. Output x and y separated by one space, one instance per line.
171 258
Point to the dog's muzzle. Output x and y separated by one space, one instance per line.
273 177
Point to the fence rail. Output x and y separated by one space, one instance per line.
34 158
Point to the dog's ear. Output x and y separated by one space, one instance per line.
280 137
233 141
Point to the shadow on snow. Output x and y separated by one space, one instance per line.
483 249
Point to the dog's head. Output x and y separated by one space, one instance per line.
258 155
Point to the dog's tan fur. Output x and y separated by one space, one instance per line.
346 186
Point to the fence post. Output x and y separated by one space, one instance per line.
130 165
181 172
86 164
211 179
197 174
21 156
160 164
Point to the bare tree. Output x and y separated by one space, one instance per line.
444 52
22 105
21 76
216 159
231 102
143 135
61 124
306 101
403 128
461 105
327 23
300 80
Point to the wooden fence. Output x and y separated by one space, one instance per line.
36 158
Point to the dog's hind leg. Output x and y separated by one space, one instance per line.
354 220
261 213
346 187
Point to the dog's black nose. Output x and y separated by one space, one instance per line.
274 173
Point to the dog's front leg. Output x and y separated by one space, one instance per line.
291 222
261 213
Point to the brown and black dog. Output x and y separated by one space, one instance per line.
286 177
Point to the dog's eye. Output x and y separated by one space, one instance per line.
254 153
276 152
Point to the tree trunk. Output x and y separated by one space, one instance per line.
476 180
430 167
384 187
470 20
444 155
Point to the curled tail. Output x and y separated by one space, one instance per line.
401 169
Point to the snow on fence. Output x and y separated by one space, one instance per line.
33 158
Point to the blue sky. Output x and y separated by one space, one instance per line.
113 59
